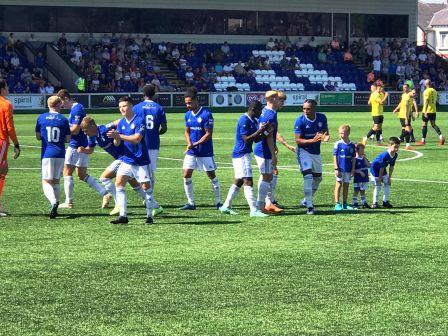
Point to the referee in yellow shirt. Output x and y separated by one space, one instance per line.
429 113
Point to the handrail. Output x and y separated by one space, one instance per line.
48 67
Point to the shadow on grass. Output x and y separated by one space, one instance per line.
343 213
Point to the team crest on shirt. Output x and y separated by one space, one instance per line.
199 119
132 126
319 124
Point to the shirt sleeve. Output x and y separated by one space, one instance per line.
10 125
324 122
76 116
186 119
208 122
162 116
91 143
243 127
335 149
37 128
139 127
298 127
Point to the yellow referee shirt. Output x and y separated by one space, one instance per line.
429 100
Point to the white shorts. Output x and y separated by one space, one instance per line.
140 173
384 180
345 178
309 161
113 167
361 185
206 163
153 155
242 166
52 168
73 158
264 165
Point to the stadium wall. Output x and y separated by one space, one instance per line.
407 7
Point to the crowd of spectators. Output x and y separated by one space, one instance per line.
21 75
395 62
114 63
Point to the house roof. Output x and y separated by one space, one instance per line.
440 18
426 12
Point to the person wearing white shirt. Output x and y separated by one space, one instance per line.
15 62
377 67
49 89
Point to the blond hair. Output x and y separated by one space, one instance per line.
54 101
345 127
281 94
271 94
86 122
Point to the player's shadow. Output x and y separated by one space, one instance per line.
419 207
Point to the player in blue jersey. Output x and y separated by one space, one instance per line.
98 135
361 177
53 129
74 156
247 132
265 153
134 159
310 130
380 176
344 152
199 153
282 140
155 125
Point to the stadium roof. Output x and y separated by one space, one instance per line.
440 18
426 12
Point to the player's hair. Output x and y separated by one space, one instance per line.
345 127
87 121
149 90
3 84
54 101
271 94
63 94
428 83
360 145
394 141
126 99
281 95
255 105
192 93
313 102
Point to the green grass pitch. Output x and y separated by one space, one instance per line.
371 272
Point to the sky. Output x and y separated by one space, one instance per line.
433 1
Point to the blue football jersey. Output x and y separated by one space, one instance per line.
77 114
360 166
136 155
382 161
261 148
308 128
53 128
154 115
106 143
344 152
198 123
245 126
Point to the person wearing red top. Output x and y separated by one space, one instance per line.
7 132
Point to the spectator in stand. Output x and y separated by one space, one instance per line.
271 44
81 83
385 69
321 56
15 61
19 88
335 46
294 63
284 63
312 44
348 57
156 82
189 77
299 44
218 69
377 67
239 69
369 53
49 89
370 77
95 84
329 86
336 87
41 88
105 40
225 48
11 41
26 76
36 75
227 69
162 49
423 57
212 75
400 70
376 51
